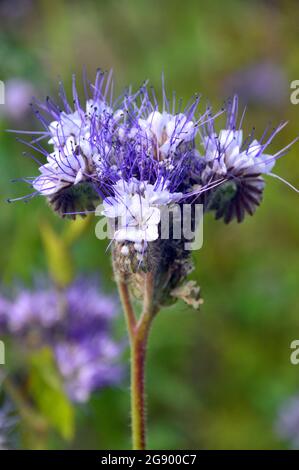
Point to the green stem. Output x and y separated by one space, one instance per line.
138 359
127 306
138 334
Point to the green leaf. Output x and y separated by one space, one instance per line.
75 229
58 256
47 391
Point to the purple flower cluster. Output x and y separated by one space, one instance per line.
138 158
76 323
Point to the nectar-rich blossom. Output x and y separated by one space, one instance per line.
138 159
141 160
136 207
237 166
164 132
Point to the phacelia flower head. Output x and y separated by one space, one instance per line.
76 324
142 159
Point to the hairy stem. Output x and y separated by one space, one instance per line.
138 334
127 306
138 413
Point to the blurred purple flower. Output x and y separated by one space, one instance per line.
18 94
287 425
88 365
81 297
263 83
33 308
11 10
76 324
4 305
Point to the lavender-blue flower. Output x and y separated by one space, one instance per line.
140 158
77 324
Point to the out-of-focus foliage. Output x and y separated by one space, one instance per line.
218 379
58 256
48 392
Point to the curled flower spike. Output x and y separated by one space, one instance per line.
238 165
67 178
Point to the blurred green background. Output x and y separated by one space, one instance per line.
219 378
